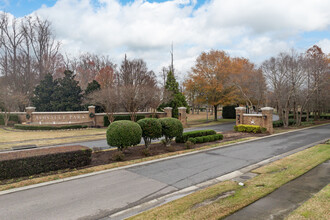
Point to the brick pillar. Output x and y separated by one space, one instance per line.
91 112
29 111
168 111
239 115
267 118
183 115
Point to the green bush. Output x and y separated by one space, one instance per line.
122 134
199 139
48 127
206 139
12 118
26 163
249 128
186 135
218 137
279 123
211 137
171 127
193 140
229 111
151 129
106 121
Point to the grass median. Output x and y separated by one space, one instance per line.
315 208
225 198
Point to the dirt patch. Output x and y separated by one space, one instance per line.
214 199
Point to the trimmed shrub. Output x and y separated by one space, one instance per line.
151 129
106 121
229 111
249 128
171 127
211 137
188 144
186 135
199 139
122 134
279 123
26 163
192 140
206 139
218 137
48 127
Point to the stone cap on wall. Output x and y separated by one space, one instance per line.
267 109
168 108
182 108
240 108
30 108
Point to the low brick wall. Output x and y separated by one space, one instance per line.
75 117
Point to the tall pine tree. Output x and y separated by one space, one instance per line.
68 94
177 99
43 94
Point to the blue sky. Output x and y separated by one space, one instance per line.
255 29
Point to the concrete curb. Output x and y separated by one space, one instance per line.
142 163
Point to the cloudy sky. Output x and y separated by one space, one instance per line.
255 29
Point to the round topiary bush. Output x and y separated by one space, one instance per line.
171 127
151 129
122 134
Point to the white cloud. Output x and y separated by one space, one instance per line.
325 45
254 29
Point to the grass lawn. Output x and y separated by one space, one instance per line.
11 137
196 120
205 205
315 208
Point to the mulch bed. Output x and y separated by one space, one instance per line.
137 152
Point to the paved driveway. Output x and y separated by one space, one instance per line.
98 196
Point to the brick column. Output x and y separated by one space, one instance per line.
91 109
183 115
29 111
239 115
168 111
267 118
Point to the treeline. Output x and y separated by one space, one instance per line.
292 82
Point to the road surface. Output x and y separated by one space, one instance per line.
100 195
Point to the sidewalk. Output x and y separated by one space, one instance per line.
287 198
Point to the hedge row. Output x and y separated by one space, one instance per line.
191 134
207 138
304 117
47 127
229 111
31 162
279 123
250 128
13 118
106 121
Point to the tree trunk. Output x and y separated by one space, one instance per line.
215 112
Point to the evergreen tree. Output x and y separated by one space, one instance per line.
68 94
92 87
43 94
177 98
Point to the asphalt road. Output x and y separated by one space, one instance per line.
98 196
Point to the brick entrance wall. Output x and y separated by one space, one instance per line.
265 119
